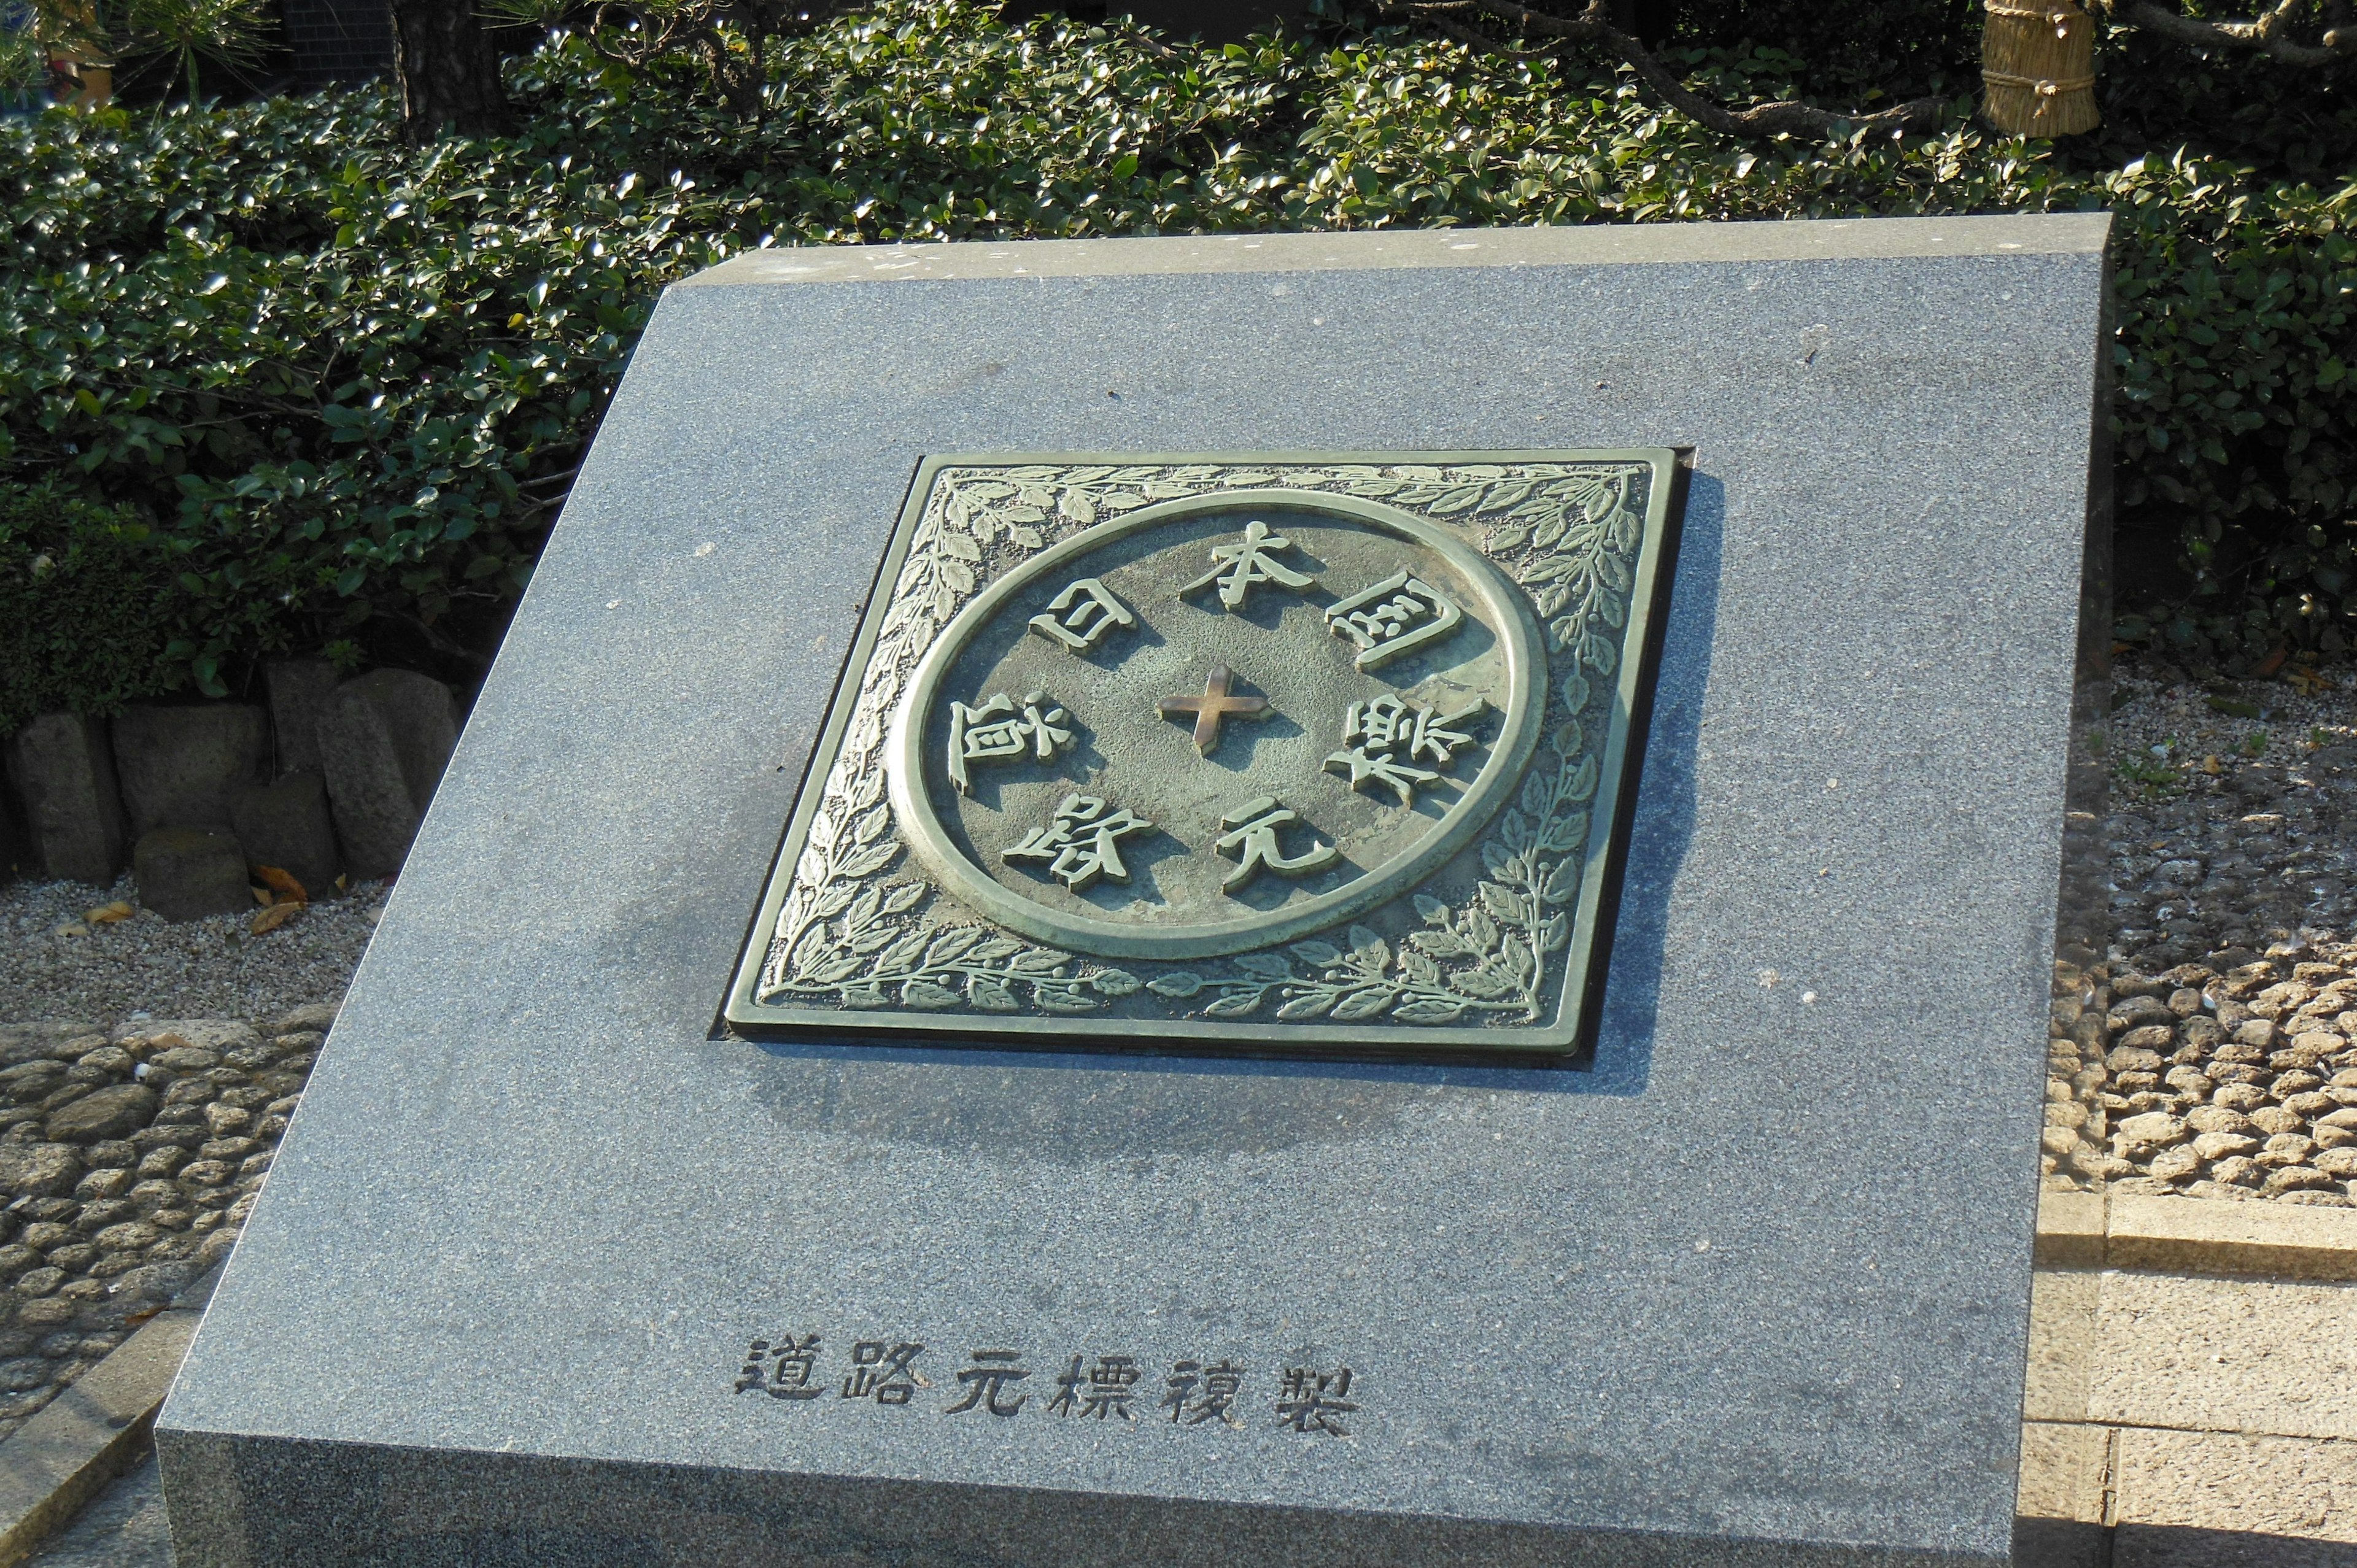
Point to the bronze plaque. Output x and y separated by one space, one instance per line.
1281 753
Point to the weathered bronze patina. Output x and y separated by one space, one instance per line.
1284 753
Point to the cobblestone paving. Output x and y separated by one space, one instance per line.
2218 1056
129 1159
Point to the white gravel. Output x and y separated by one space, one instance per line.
54 964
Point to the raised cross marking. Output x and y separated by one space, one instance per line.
1239 566
1212 706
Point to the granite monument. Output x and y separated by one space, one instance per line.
1325 899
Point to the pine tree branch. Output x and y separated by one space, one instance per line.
2264 32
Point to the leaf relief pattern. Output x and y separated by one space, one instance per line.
850 934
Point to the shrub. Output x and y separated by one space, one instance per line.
80 588
345 381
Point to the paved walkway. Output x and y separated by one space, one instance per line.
2198 1423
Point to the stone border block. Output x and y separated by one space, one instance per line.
182 767
2071 1230
53 1465
2292 1489
2065 1468
299 689
2196 1236
2190 1236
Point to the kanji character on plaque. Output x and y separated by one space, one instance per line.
885 1374
1002 729
1239 566
1308 1399
1103 1391
1082 616
781 1368
1397 615
1250 839
1393 734
987 1379
1196 1393
1083 844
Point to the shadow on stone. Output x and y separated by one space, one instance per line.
2177 1546
287 825
1662 819
384 739
184 767
186 874
63 770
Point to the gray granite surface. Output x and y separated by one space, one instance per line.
1742 1293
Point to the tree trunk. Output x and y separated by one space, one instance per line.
449 72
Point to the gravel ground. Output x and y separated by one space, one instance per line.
55 963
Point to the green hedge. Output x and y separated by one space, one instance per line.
83 592
345 380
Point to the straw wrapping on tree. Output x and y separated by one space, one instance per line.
2037 70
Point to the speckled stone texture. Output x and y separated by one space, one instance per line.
1742 1294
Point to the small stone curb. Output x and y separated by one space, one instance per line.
92 1432
2193 1236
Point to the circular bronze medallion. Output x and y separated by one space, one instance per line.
1216 724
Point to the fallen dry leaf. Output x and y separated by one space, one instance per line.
2273 662
107 914
262 896
277 914
282 883
2210 765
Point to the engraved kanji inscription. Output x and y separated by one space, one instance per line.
1309 1400
1003 728
1200 1392
782 1369
1081 616
986 1381
1244 564
884 1372
1196 1392
1103 1392
1396 617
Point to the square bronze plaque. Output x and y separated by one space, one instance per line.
1284 753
